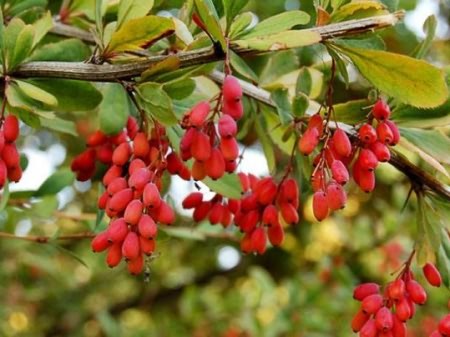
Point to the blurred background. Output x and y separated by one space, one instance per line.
199 283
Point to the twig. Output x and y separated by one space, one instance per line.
47 239
112 73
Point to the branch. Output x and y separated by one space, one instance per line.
70 31
400 162
47 239
112 73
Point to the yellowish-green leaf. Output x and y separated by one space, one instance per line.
37 93
139 33
41 27
240 24
277 24
284 40
169 64
208 15
358 9
132 9
411 81
182 32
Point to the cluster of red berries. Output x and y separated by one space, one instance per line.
213 154
100 148
385 314
9 156
332 163
443 329
132 199
257 213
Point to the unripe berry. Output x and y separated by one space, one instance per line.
121 154
381 151
403 309
114 255
289 213
201 146
444 325
342 143
139 178
383 319
227 126
130 246
148 246
233 109
11 128
117 230
320 205
308 141
120 200
229 148
365 289
367 159
135 266
141 147
381 110
359 320
147 227
395 132
432 275
100 242
231 90
336 196
192 200
367 134
258 240
416 292
339 172
215 165
198 113
151 196
372 303
384 133
113 172
133 212
270 216
276 234
165 214
116 185
369 329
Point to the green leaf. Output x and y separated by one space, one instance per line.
70 50
99 19
409 116
42 27
69 253
59 125
432 142
18 99
22 5
2 38
409 80
180 89
443 264
36 93
229 185
241 67
277 24
351 112
392 5
138 34
175 133
340 65
281 98
300 104
371 42
5 196
132 9
240 24
426 236
276 131
304 81
72 95
114 109
156 103
30 119
56 182
358 10
429 27
208 15
279 41
165 66
22 45
266 143
232 8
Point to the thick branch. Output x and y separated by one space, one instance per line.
112 73
416 174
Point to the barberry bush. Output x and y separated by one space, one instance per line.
223 168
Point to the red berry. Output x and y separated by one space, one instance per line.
15 173
367 160
11 128
3 173
133 212
227 127
216 213
229 148
276 234
114 255
136 265
130 246
2 140
165 214
231 90
101 203
132 127
258 240
120 138
384 133
308 141
104 153
201 146
249 221
113 172
100 242
246 243
365 289
116 185
435 333
444 325
201 211
336 196
270 215
403 309
339 172
215 165
121 154
316 121
381 110
384 320
416 292
342 143
359 320
198 113
366 180
141 147
320 205
117 230
148 246
120 200
139 178
151 196
289 213
233 109
289 191
396 289
381 151
399 328
198 170
395 132
367 134
369 329
174 164
372 303
147 227
432 275
265 191
192 200
96 139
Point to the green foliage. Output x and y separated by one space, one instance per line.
229 185
113 121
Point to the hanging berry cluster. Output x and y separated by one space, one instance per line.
339 153
9 156
257 214
386 314
443 329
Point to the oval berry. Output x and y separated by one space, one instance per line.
432 275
